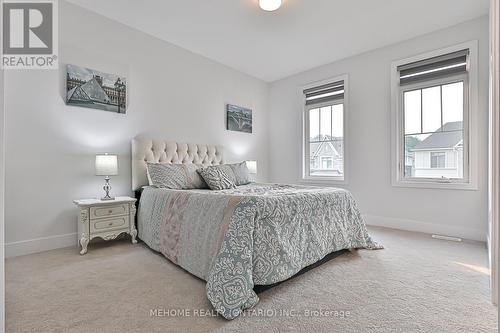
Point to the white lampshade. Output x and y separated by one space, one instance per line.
252 167
106 165
269 5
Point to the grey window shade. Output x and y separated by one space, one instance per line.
325 93
434 68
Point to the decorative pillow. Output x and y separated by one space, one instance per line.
241 174
175 176
218 177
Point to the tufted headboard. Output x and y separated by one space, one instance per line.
148 150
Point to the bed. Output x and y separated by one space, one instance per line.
255 234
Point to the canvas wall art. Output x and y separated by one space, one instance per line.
239 118
97 90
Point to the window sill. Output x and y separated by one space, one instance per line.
435 169
435 185
328 181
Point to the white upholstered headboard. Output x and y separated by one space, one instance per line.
149 150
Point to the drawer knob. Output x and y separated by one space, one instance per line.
110 211
110 223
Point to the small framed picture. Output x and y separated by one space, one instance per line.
238 118
89 88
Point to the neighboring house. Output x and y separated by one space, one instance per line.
327 157
440 154
409 163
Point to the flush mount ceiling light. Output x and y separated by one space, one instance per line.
269 5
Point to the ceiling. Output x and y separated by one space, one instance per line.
301 35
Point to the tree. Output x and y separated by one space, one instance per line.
411 142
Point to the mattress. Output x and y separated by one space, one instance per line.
256 234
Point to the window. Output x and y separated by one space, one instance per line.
324 131
327 163
314 163
432 119
438 160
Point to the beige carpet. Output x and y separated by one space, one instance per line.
416 284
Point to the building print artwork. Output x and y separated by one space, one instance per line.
93 89
239 118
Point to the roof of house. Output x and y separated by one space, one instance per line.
334 147
90 90
448 136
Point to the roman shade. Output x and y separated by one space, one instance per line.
325 93
434 68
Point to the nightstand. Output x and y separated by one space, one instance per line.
105 219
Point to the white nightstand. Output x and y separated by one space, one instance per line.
105 219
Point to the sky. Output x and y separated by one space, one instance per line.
423 109
331 124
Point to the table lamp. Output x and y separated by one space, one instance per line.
106 165
252 167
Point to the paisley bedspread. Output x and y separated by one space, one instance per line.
256 234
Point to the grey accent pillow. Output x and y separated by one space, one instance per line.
175 176
241 174
218 177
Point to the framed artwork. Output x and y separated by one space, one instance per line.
238 118
97 90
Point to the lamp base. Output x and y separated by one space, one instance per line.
106 189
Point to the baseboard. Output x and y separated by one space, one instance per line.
425 227
14 249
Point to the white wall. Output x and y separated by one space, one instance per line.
452 212
494 152
2 203
50 147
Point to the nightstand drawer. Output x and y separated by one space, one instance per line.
108 211
109 224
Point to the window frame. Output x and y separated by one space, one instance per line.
469 182
305 165
465 127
